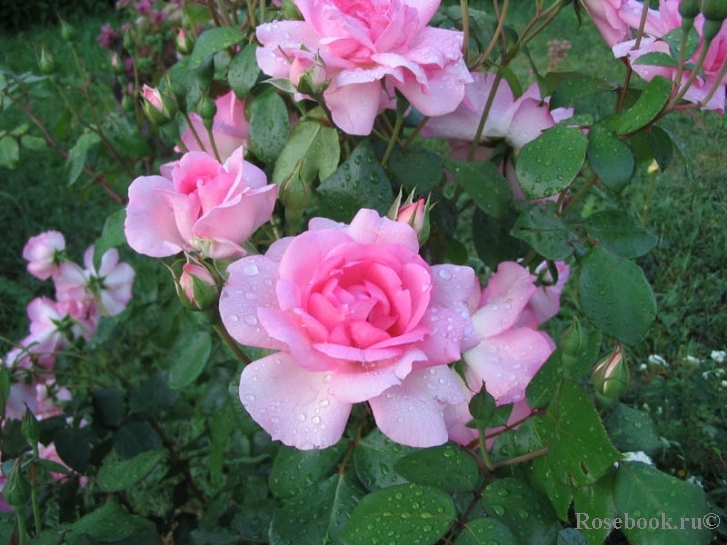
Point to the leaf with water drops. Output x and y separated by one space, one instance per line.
294 470
570 92
615 295
485 184
269 125
312 150
358 183
243 71
317 514
374 459
213 40
416 169
620 233
595 501
542 228
456 469
525 512
493 241
548 164
408 514
116 474
485 531
661 145
545 383
610 158
649 104
579 451
678 508
632 430
110 523
188 358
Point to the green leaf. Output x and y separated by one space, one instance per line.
134 438
632 430
110 524
269 125
108 406
548 164
153 395
620 233
416 169
595 501
615 295
456 470
111 236
656 58
542 228
374 459
610 158
579 450
312 150
358 183
580 364
674 39
642 492
117 474
485 531
543 478
188 358
197 13
213 40
485 184
317 514
243 72
124 136
79 152
545 383
406 514
493 241
73 448
661 146
647 107
293 470
33 143
525 512
572 90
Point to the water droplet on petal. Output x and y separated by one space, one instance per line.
250 270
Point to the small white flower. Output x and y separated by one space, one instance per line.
718 355
638 456
706 374
642 367
723 384
695 480
719 372
692 360
656 359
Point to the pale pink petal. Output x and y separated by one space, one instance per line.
354 107
293 405
367 227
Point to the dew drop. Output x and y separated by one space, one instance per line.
445 274
233 318
301 417
250 320
250 270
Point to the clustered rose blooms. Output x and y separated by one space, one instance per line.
364 51
354 314
230 128
198 205
618 22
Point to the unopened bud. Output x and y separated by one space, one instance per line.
313 82
207 109
46 63
416 214
159 107
715 12
295 193
197 287
17 488
127 103
30 427
67 30
611 376
184 42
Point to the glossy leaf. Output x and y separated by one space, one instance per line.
647 107
112 236
125 136
493 241
484 183
117 474
656 58
374 459
416 169
610 158
545 231
544 384
620 233
78 154
109 406
213 40
595 501
73 447
134 438
456 470
572 90
485 531
9 152
406 514
615 295
632 430
661 146
548 164
293 470
358 183
243 71
269 125
188 358
643 492
109 523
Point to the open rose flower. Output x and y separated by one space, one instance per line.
41 253
367 49
354 314
197 204
230 128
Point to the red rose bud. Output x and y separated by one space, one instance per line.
184 42
159 107
611 376
416 214
197 287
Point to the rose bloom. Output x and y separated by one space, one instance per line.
354 314
368 49
41 253
230 128
197 204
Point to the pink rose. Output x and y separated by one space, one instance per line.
607 16
509 355
197 204
354 314
197 286
368 49
230 128
41 253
